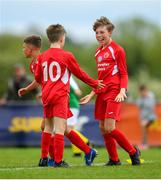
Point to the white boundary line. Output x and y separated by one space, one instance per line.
75 165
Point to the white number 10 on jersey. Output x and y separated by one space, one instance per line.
49 71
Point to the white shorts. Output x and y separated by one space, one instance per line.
72 121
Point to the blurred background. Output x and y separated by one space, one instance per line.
138 30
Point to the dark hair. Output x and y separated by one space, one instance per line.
34 40
143 87
55 32
103 21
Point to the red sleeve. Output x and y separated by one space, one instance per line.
75 69
38 71
121 63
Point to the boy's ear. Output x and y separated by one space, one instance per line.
110 33
61 39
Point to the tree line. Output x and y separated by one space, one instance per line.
140 38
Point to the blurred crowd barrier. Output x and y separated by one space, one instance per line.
20 125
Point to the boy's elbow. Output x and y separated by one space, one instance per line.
37 79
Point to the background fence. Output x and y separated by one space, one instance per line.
20 125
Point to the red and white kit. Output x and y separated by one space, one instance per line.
33 65
53 73
111 65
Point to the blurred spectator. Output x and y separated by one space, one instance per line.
19 80
146 103
129 98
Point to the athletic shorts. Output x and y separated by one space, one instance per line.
106 107
59 108
72 121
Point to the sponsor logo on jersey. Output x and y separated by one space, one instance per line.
106 55
100 58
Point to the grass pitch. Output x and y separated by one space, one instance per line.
18 163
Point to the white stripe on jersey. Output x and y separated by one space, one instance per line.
115 70
65 77
112 52
97 52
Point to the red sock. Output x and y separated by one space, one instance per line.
45 142
111 148
51 147
77 141
123 141
58 147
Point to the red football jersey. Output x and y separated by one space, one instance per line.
111 65
33 65
53 73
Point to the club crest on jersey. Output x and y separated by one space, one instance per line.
106 55
100 58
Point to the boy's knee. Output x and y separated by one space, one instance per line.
109 129
48 129
109 125
43 125
60 130
67 130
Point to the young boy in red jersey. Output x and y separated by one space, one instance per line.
31 49
111 65
53 72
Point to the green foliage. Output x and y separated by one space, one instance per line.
140 39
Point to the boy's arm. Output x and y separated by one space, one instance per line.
87 98
121 63
27 89
75 68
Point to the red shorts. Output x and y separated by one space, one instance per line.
106 106
59 108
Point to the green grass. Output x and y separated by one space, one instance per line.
22 163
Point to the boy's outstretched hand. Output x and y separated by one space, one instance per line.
121 96
22 92
87 98
100 84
